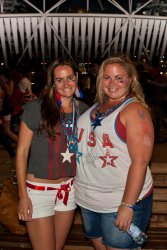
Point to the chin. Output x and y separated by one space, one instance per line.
68 96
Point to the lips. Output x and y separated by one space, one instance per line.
67 90
112 90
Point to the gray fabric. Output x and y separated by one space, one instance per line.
38 160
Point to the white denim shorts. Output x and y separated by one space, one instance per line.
47 198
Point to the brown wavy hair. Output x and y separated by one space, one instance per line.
50 112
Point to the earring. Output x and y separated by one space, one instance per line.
79 93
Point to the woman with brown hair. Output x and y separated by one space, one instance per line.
45 161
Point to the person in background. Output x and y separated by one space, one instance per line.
39 83
45 173
7 86
4 140
113 183
84 85
92 74
26 90
22 94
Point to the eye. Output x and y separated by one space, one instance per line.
106 77
58 80
118 78
71 78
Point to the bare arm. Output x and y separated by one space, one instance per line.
140 138
24 142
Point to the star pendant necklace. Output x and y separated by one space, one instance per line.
69 127
99 116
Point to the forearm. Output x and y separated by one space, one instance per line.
21 166
134 185
135 182
23 148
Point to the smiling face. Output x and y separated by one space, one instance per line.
65 81
115 82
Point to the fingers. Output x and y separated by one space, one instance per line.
124 218
123 225
25 215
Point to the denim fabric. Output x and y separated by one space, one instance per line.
103 225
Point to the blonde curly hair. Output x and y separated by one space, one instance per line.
135 88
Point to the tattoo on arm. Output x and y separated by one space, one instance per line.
146 139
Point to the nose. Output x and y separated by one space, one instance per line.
111 80
65 81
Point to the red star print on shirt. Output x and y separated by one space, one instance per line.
108 159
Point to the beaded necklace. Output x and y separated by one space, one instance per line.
69 128
99 116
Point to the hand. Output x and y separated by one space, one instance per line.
124 218
25 209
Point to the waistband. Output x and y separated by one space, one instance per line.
62 191
146 195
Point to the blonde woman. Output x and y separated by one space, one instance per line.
113 183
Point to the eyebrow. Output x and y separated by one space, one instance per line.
66 76
118 76
114 76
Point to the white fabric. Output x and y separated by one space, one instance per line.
102 165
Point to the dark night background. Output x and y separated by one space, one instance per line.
73 6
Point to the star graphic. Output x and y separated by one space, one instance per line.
108 159
96 122
78 155
67 156
90 159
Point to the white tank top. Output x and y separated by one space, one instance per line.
102 164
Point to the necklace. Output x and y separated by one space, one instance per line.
99 116
69 128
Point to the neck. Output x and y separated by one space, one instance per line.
111 103
116 101
67 105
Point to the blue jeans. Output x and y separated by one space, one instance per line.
102 225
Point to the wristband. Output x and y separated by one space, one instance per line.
132 206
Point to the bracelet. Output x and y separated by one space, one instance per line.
132 206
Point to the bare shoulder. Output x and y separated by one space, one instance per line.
132 107
135 111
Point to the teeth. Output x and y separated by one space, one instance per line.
67 90
112 89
